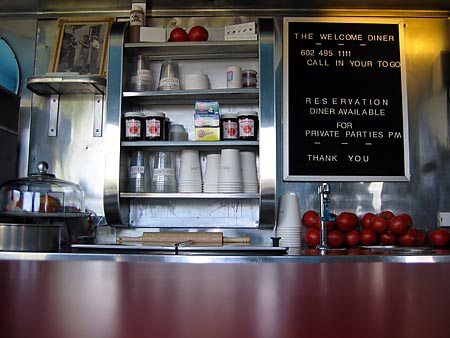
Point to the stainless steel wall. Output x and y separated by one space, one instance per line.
75 155
427 51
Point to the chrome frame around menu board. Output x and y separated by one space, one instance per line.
328 171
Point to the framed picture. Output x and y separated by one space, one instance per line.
80 46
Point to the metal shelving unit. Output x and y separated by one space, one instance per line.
55 85
175 97
72 84
188 195
138 209
195 50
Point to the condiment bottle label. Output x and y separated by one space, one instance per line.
230 130
169 82
163 172
246 127
152 128
144 74
136 170
133 128
137 18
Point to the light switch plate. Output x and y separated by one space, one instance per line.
444 219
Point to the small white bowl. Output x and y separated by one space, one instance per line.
196 81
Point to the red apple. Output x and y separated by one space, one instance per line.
178 34
198 33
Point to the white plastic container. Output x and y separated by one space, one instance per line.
196 82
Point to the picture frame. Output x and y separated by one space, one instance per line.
80 46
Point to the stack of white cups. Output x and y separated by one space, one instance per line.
190 177
230 172
249 172
211 178
289 222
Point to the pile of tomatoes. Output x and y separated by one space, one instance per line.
385 228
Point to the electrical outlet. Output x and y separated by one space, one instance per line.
444 219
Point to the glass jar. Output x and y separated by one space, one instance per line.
228 127
132 126
249 79
141 79
248 125
154 126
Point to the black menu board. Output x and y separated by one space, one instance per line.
344 107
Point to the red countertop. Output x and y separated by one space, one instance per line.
65 299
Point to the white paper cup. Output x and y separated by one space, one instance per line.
248 164
212 170
190 170
230 172
234 77
289 212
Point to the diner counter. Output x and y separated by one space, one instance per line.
292 255
100 295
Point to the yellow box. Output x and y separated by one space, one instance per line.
207 134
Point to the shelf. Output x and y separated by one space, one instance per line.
205 146
242 95
71 84
195 50
189 195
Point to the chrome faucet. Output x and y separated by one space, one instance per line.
324 192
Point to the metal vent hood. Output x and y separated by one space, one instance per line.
52 8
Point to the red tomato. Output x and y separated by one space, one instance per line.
347 221
198 33
408 219
309 218
421 237
386 214
387 238
368 237
352 238
439 237
407 239
379 225
365 220
398 225
330 224
178 34
335 238
312 237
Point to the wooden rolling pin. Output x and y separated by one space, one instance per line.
177 237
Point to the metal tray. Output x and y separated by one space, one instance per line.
180 248
398 249
44 215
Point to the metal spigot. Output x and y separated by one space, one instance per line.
324 192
